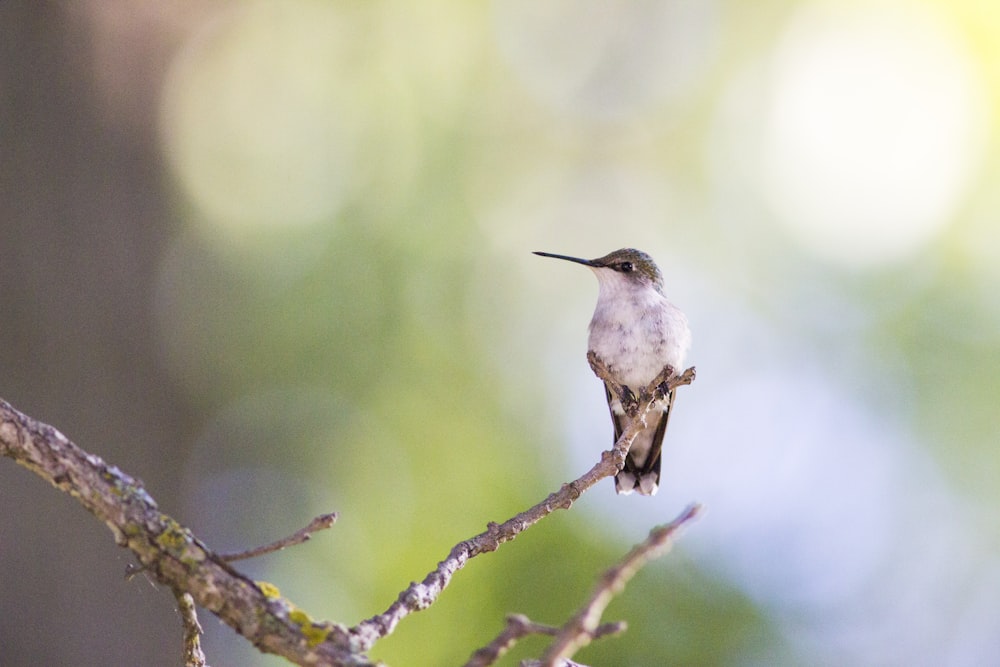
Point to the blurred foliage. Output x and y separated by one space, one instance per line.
273 258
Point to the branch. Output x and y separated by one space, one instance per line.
179 560
421 595
582 628
661 385
322 522
169 551
585 625
193 655
519 626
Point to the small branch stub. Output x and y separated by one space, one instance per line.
193 655
322 522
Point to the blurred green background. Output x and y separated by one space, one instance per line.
274 259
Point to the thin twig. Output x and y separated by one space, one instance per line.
519 626
193 655
421 595
322 522
581 629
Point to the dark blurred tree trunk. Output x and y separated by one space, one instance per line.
83 219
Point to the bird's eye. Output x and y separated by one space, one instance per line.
626 267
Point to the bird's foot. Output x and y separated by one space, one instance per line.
598 366
662 391
687 377
661 384
668 380
630 404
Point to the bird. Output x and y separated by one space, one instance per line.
636 331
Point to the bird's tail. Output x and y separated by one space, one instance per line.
644 477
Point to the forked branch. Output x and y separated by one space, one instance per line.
583 627
421 595
198 576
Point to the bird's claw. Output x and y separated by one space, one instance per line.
662 390
630 404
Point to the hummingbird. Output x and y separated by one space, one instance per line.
636 332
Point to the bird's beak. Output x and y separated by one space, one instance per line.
585 262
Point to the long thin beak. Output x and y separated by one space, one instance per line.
585 262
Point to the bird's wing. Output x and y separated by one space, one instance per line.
651 466
618 420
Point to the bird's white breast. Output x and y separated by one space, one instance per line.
636 331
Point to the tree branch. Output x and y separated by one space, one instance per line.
322 522
582 628
585 625
193 655
256 610
421 595
519 626
169 551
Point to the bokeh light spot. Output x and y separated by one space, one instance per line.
606 61
874 130
255 124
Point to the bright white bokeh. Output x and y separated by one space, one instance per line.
874 129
